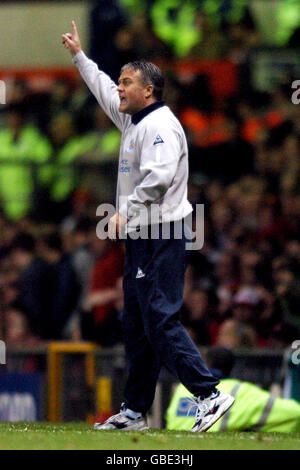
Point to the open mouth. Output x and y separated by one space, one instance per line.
122 100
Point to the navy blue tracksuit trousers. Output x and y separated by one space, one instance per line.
153 335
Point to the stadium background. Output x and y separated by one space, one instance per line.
230 66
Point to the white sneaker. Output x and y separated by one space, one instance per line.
210 409
122 422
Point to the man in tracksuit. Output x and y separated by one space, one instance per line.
153 170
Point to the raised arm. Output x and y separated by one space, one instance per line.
100 84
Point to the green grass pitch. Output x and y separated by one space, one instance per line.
81 436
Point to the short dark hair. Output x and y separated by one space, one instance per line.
151 75
83 225
24 242
53 241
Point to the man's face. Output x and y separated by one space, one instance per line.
134 95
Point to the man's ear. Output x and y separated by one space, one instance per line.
149 90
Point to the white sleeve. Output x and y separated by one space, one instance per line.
102 87
160 154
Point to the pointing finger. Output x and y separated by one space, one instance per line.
74 28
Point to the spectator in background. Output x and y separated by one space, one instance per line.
82 256
46 102
237 331
210 132
130 46
168 18
104 140
63 289
18 335
17 330
70 149
7 236
19 93
287 291
81 202
63 176
82 259
212 44
105 291
32 286
226 274
198 313
21 146
60 98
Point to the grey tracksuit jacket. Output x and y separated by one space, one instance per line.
153 160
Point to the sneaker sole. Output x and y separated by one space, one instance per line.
217 416
145 428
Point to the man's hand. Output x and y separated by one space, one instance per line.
72 41
115 226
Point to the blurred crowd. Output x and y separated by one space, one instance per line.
59 284
58 160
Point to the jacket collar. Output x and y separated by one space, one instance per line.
137 117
